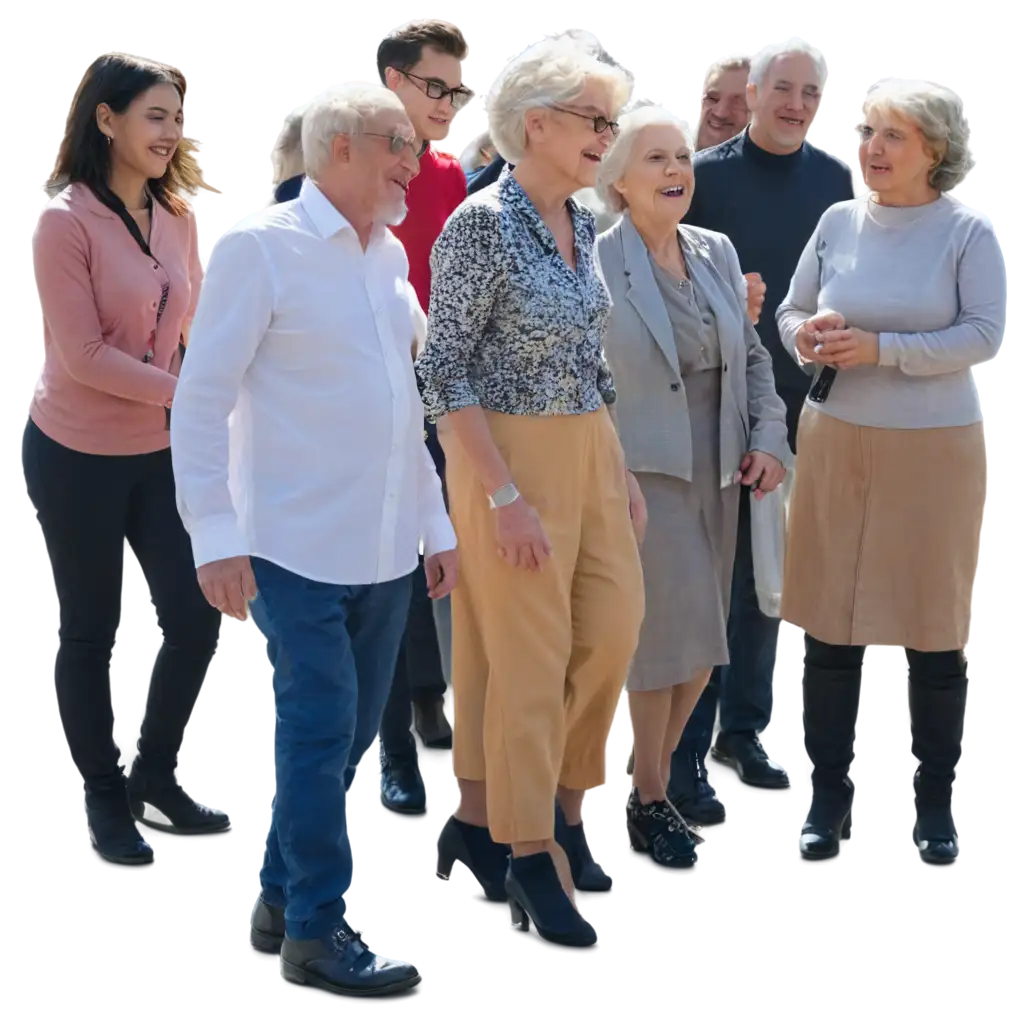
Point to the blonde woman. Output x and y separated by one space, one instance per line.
546 616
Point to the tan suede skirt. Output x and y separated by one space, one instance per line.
884 527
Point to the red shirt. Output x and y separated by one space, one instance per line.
433 196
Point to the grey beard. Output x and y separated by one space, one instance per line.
393 214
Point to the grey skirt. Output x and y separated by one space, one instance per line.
688 555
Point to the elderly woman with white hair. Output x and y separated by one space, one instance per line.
697 414
286 158
897 295
547 614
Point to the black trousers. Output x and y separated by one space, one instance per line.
418 674
88 506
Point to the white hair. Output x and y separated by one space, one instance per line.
761 62
551 72
473 153
341 111
938 113
286 157
616 160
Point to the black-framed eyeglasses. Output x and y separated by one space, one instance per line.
601 124
396 142
435 89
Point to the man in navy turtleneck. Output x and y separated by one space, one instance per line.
766 189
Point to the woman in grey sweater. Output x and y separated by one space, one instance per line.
897 295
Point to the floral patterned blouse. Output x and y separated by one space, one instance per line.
511 327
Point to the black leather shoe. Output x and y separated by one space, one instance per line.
473 845
159 802
659 830
587 875
401 786
535 894
694 797
828 821
743 751
266 927
935 836
112 830
343 964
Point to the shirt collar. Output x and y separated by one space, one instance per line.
513 197
326 217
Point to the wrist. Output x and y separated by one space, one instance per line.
504 496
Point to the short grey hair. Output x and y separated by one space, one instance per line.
762 61
553 71
286 157
727 64
343 110
616 160
938 113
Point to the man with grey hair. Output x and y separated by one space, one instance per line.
303 332
765 189
723 105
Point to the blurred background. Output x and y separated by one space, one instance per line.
246 65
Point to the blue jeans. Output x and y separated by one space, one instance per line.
333 649
741 692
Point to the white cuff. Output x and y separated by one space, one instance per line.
215 538
438 536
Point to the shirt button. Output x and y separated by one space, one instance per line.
156 266
675 387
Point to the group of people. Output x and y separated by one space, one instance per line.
430 430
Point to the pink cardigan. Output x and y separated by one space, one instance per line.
99 293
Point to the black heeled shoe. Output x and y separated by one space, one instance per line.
587 875
935 836
657 836
828 821
159 802
112 830
473 846
536 890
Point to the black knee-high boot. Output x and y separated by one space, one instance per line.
938 694
831 699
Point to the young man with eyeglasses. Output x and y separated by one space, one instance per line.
422 64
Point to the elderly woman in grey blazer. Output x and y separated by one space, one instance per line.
698 417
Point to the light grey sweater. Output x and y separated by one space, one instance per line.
930 281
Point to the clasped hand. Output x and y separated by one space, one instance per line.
827 341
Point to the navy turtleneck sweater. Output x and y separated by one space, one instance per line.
768 206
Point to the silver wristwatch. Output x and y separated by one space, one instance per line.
503 496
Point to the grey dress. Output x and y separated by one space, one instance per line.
691 532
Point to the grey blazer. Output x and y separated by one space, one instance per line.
650 409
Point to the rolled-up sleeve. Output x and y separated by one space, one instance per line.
234 312
466 272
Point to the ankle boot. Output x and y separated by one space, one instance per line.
938 695
159 802
112 831
532 884
831 699
473 845
587 874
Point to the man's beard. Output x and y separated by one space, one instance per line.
393 213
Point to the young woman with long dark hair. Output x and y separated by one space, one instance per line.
118 272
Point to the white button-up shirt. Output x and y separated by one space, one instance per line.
297 428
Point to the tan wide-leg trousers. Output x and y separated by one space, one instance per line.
539 658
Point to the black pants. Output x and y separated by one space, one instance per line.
937 684
88 505
418 674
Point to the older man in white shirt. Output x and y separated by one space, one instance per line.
311 507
